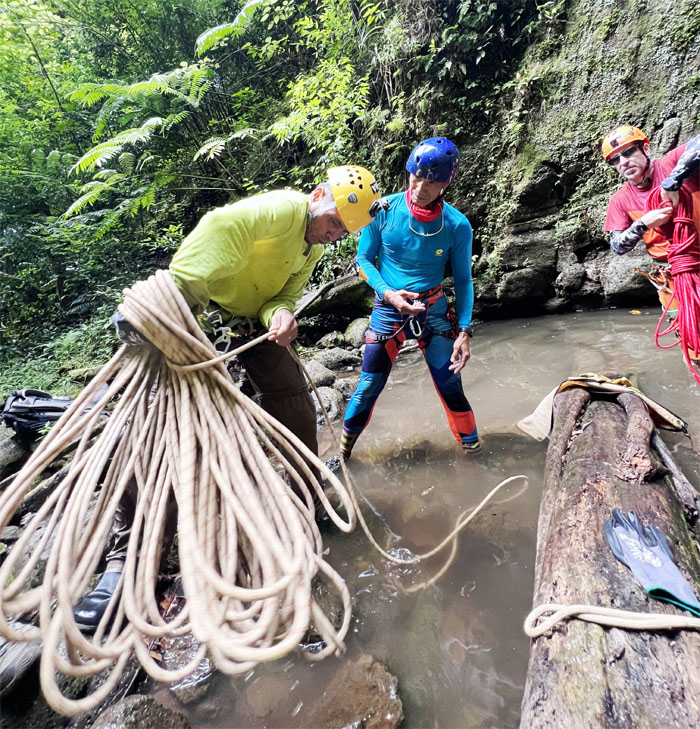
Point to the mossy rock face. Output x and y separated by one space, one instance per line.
600 65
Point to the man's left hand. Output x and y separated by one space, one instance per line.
283 327
460 353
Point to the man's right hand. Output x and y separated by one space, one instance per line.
400 301
658 217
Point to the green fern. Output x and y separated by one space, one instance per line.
104 175
86 200
127 161
173 120
144 161
97 156
213 147
145 198
214 36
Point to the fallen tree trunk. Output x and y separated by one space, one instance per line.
581 674
346 291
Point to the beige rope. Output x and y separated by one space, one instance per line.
451 539
249 548
537 623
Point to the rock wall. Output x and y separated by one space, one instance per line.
537 189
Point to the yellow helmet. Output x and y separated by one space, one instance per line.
356 195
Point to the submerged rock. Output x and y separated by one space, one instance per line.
179 652
361 694
140 712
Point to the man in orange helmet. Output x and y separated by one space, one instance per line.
626 148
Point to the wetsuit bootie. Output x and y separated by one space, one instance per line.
471 449
347 442
89 611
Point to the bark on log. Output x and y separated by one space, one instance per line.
581 674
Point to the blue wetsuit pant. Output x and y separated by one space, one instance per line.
387 332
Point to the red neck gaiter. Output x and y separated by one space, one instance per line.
425 215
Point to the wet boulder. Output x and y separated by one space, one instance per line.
571 273
355 332
178 653
346 386
525 287
140 712
333 402
621 283
320 375
336 358
330 340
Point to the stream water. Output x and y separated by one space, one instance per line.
457 648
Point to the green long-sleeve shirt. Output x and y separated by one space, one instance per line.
250 257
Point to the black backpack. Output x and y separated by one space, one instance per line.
27 411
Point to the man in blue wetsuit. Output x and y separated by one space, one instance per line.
402 254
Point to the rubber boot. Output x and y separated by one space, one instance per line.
89 611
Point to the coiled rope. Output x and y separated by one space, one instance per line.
684 259
249 547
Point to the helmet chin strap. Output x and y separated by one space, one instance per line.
649 167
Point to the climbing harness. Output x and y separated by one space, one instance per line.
660 278
684 259
415 322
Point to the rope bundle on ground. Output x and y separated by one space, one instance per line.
684 258
248 546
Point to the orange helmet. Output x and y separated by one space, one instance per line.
621 138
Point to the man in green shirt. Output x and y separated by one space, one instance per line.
247 263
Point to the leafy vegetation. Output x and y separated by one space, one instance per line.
122 122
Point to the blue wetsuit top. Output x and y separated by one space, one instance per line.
392 256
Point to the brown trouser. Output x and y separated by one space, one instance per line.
281 390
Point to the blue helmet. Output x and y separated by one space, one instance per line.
435 159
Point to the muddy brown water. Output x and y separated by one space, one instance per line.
457 648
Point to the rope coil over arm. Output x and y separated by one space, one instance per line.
248 549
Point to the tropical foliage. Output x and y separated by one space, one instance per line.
122 122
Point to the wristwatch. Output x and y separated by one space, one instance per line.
467 330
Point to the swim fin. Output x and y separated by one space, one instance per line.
645 550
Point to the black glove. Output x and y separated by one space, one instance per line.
126 332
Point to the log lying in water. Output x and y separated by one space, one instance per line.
581 674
